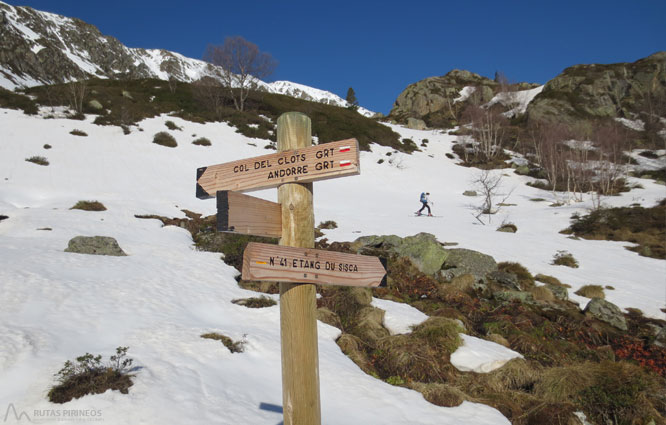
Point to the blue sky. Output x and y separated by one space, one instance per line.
379 48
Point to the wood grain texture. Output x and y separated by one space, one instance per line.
298 308
287 264
293 165
248 215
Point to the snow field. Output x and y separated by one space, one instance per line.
161 297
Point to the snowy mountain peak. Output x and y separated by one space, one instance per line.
45 48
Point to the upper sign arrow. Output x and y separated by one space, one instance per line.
325 161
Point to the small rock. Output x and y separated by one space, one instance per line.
606 312
560 292
94 104
522 170
95 245
523 297
660 335
508 280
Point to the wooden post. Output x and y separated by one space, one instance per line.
298 308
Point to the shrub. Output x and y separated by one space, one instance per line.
409 146
233 346
525 279
39 160
47 146
172 125
165 139
541 293
550 280
380 161
508 228
255 302
89 206
450 155
395 380
89 376
11 100
202 141
77 132
563 258
591 291
328 224
642 226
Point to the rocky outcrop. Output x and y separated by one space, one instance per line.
465 261
95 245
423 249
436 100
601 91
606 312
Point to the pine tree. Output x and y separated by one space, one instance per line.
351 99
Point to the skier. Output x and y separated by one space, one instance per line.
425 200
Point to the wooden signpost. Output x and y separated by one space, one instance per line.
303 165
248 215
302 265
293 262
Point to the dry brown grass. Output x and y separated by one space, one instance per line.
550 280
608 392
541 293
423 355
525 278
440 394
89 206
591 291
233 346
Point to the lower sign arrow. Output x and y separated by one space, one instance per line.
303 265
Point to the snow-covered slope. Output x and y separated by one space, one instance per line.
42 48
517 101
161 297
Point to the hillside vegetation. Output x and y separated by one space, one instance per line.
125 103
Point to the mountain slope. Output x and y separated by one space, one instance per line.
165 293
44 48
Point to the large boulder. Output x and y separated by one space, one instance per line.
416 124
463 261
606 312
434 99
95 245
423 250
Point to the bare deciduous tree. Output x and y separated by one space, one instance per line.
211 93
242 65
489 184
487 126
76 91
547 138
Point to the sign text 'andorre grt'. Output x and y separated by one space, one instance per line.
320 162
